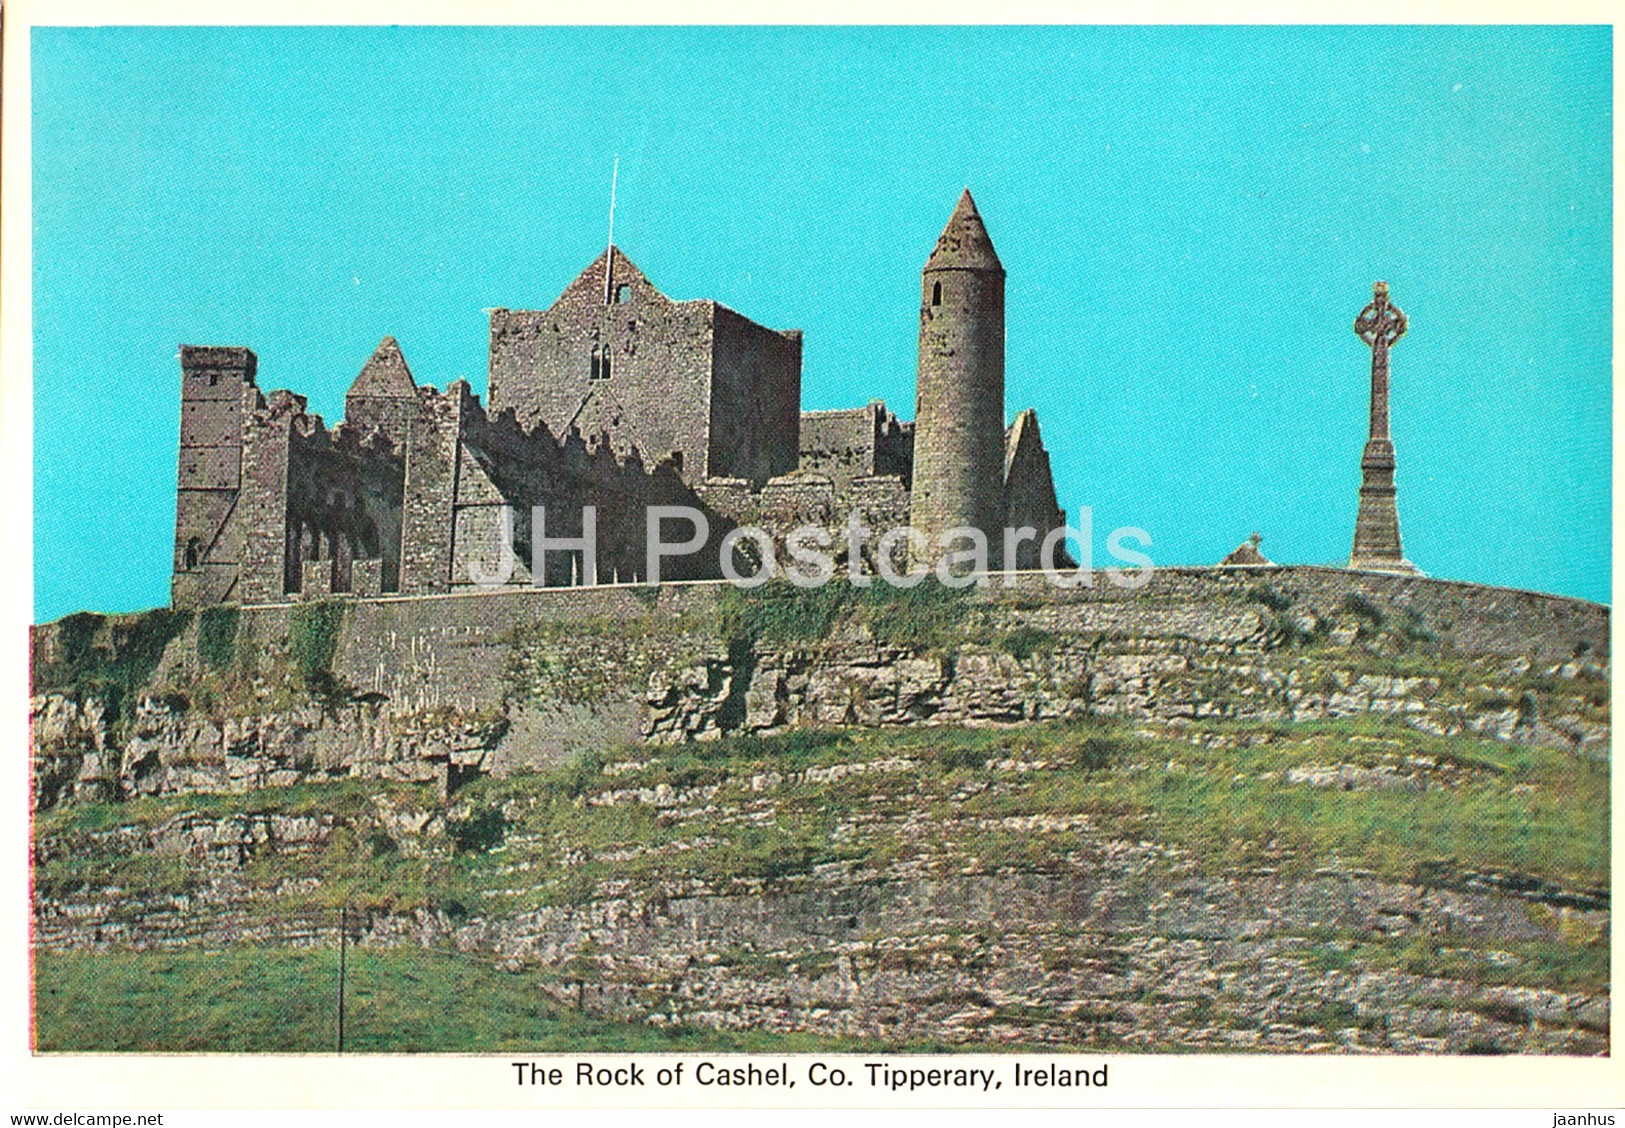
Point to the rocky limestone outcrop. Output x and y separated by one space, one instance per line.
510 682
1128 948
173 750
1162 680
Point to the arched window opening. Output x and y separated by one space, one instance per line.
192 550
936 294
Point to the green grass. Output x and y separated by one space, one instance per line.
926 617
109 658
217 636
1023 642
1555 964
344 798
757 815
1510 809
252 999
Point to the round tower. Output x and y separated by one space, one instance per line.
959 413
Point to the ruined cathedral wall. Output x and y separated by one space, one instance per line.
505 467
1029 499
755 418
857 443
504 472
344 506
789 503
656 396
1030 494
391 416
430 491
624 492
263 504
501 466
894 449
880 500
840 444
794 501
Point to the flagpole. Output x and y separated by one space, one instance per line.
609 256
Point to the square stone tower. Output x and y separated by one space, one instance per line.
217 394
615 357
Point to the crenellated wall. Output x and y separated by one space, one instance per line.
505 466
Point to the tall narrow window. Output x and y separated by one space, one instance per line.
600 362
936 294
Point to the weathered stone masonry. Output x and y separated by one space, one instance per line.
960 441
510 680
615 396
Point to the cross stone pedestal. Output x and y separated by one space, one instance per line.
1376 530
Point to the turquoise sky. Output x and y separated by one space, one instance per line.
1190 219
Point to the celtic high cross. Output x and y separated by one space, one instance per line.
1379 325
1376 529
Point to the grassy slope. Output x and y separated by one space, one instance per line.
254 999
512 845
1535 811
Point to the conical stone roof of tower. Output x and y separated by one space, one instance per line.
385 374
964 243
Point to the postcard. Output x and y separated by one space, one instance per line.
808 567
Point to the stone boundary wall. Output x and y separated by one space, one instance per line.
442 687
431 651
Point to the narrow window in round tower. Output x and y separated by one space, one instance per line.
936 294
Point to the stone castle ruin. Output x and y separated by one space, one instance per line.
1014 891
615 397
